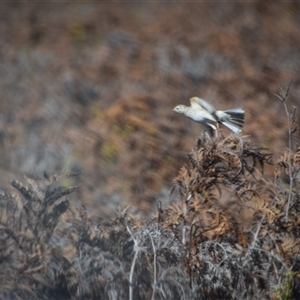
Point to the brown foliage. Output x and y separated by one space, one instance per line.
226 237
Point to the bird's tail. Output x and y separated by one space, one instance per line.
236 120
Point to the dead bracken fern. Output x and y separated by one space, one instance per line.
224 181
226 237
49 250
231 219
27 224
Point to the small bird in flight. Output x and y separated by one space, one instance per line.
202 112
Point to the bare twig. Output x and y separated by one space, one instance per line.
292 127
136 249
255 236
154 267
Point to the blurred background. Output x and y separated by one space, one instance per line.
90 87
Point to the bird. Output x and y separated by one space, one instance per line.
202 112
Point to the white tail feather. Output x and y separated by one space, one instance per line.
232 127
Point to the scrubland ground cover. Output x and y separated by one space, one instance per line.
90 88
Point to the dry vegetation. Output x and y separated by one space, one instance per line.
233 234
90 88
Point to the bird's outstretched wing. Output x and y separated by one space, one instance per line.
197 101
194 103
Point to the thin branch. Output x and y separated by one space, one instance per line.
292 127
154 267
133 264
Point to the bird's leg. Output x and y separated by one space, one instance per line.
217 129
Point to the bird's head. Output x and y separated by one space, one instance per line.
180 109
